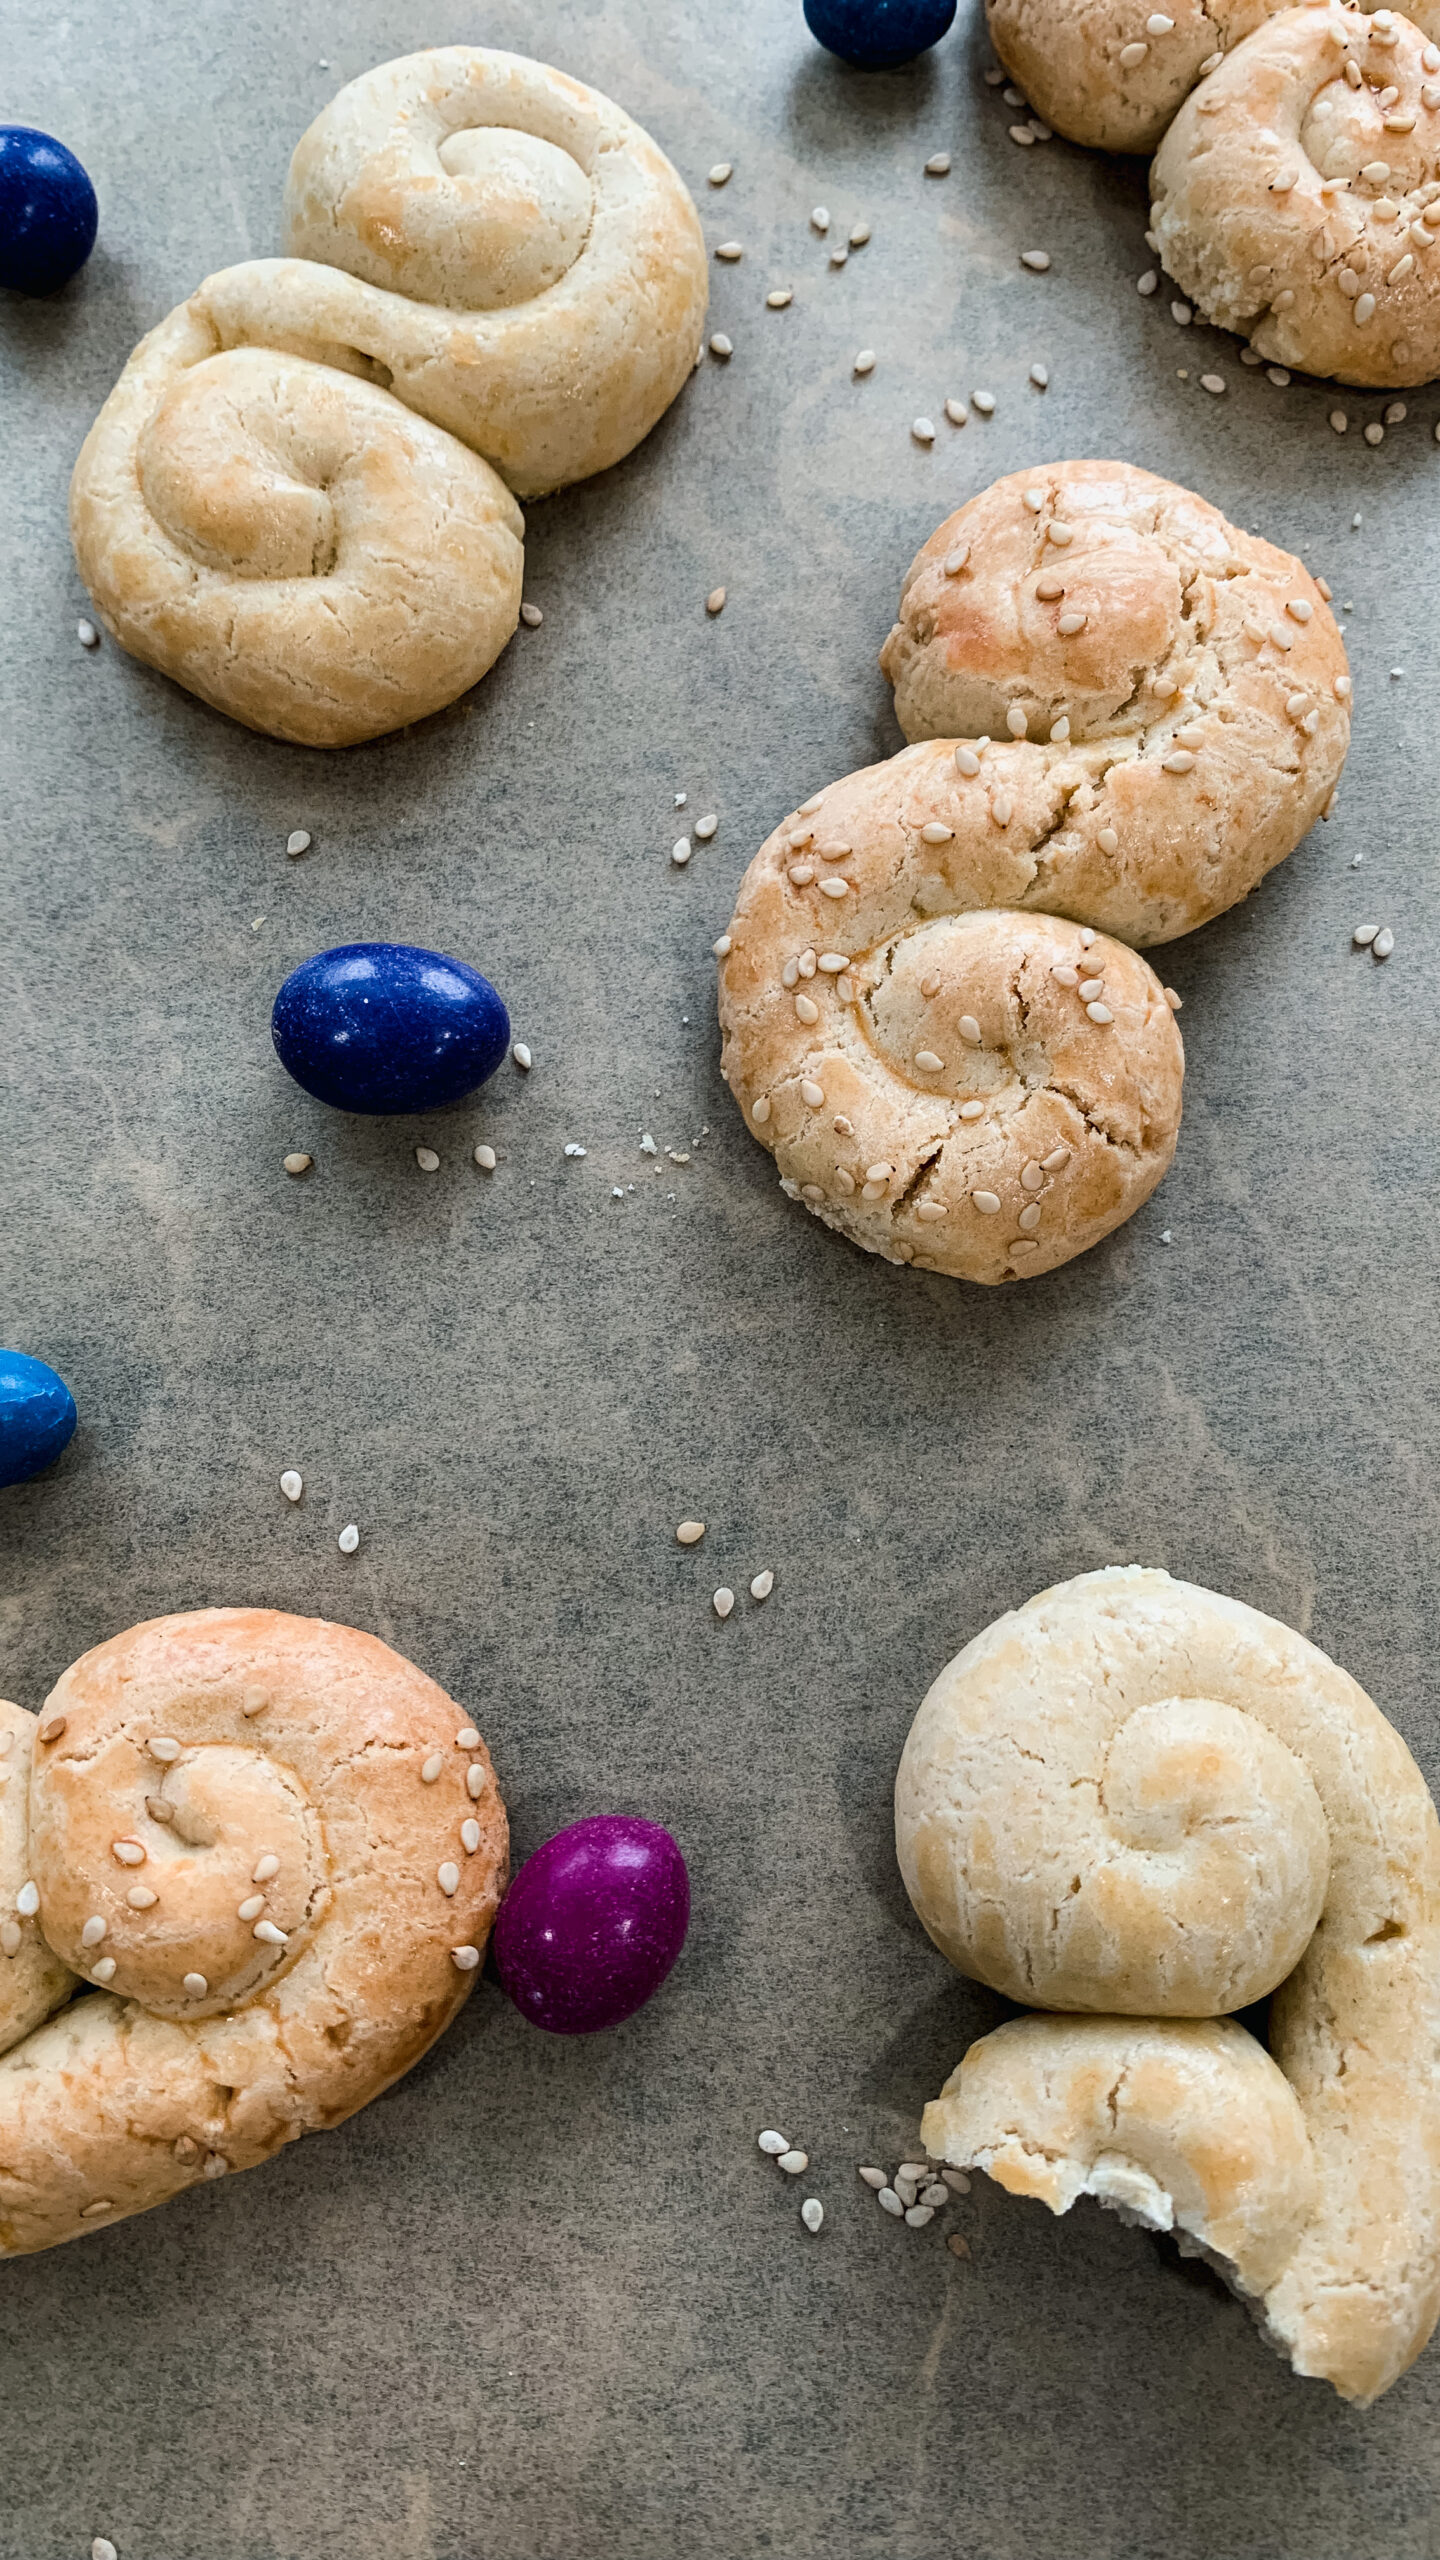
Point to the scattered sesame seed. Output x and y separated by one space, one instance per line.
574 1148
722 172
780 299
763 1585
1181 314
792 2162
298 1163
690 1532
865 361
1148 283
875 2178
889 2202
485 1158
984 401
772 2144
681 851
723 948
427 1159
729 250
705 828
292 1484
722 346
917 2215
522 1056
531 616
959 416
1364 935
923 430
1383 944
1213 383
87 635
349 1539
1037 260
812 2211
839 257
938 165
1022 134
297 843
1040 376
722 1604
859 235
1374 433
715 601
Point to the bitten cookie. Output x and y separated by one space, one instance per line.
1181 689
275 1850
1136 1797
1296 196
984 1094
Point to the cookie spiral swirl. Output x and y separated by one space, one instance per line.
1141 1800
253 1873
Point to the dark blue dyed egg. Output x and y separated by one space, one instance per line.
876 35
37 1416
48 213
382 1026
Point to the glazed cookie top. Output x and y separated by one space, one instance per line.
1187 680
1296 196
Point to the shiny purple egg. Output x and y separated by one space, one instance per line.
592 1924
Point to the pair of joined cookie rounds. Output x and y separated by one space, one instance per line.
1295 192
1124 711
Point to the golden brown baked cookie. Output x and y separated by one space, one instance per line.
1296 196
1112 73
275 1849
981 1093
1135 1796
1170 695
287 541
508 246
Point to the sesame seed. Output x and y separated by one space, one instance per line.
87 635
349 1539
195 1986
807 1009
681 851
763 1585
161 1748
1030 1216
131 1853
1056 1160
141 1897
970 1030
251 1907
485 1158
967 762
1037 260
881 1172
722 1602
923 430
10 1937
1062 535
959 416
1181 314
103 1971
465 1959
875 2178
1016 721
447 1876
839 257
265 1869
928 1062
715 601
1064 975
531 616
1181 761
1364 309
729 251
889 2202
1086 934
722 346
865 361
522 1057
792 2162
1339 421
772 2144
722 172
958 2245
705 827
470 1837
1067 626
780 299
984 401
427 1159
1213 383
1148 283
1100 1013
431 1769
1364 935
1031 1177
931 1210
761 1111
1342 688
1040 376
812 2211
820 218
1374 433
298 1163
1132 55
297 842
27 1901
1022 134
859 235
917 2215
1383 944
475 1781
987 1202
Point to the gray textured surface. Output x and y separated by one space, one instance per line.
545 2302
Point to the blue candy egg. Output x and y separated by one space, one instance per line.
48 213
382 1026
37 1416
877 34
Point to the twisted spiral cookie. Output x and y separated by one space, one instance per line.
1296 196
1135 1797
1112 73
295 500
275 1850
1188 679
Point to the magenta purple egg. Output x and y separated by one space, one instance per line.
592 1924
